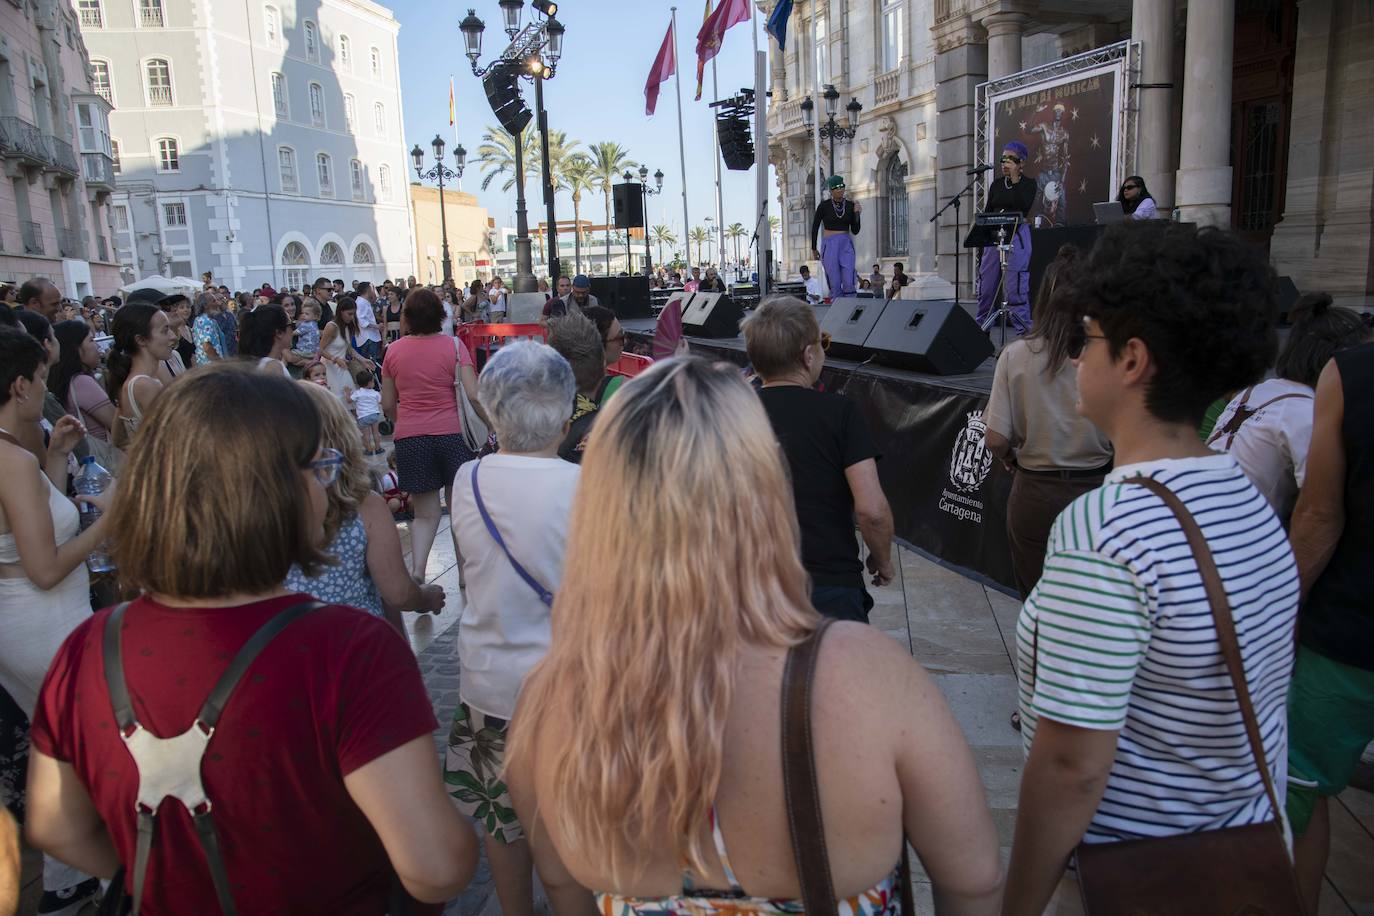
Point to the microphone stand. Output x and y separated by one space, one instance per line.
763 268
954 202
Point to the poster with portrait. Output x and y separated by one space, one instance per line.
1071 124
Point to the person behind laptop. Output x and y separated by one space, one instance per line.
1136 201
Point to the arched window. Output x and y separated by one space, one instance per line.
350 113
168 155
362 253
331 253
894 211
345 52
375 58
158 74
355 175
325 168
279 96
100 80
379 118
317 104
384 179
286 168
296 263
271 26
312 42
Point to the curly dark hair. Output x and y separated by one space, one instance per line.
1203 301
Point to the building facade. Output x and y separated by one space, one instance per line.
55 149
469 238
1244 113
260 141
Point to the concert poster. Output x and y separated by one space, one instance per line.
1071 125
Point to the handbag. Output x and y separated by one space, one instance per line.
1232 870
802 791
475 432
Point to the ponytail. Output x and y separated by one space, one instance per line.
131 322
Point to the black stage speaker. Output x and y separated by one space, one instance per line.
711 315
933 336
632 298
849 322
1288 297
629 206
502 84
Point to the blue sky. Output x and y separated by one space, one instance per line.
597 95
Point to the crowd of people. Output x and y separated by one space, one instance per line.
644 562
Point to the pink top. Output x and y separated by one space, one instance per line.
85 395
424 370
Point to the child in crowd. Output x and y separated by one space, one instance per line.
367 403
316 374
308 330
397 500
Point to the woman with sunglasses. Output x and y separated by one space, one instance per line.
613 339
1011 192
1136 201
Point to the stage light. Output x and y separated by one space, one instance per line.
546 7
534 66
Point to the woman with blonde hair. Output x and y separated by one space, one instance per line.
369 570
638 742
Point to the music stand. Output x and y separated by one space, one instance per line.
997 229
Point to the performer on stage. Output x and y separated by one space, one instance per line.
840 217
1013 192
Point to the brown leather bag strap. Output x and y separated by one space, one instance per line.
800 787
1225 626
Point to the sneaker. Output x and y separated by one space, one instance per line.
69 900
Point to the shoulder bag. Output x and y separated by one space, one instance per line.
474 430
1233 870
1244 412
802 790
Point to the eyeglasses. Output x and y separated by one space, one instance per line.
1011 159
1078 340
326 468
825 340
1130 187
619 338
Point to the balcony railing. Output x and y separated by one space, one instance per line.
98 170
886 87
32 235
20 138
160 95
90 18
63 155
150 16
70 243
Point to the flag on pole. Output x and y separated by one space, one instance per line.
712 34
452 112
701 61
665 65
777 22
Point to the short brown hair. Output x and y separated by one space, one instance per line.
577 340
423 312
211 502
776 334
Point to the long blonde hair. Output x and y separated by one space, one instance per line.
683 545
339 430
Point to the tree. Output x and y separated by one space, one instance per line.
735 232
578 174
662 235
701 237
496 155
609 161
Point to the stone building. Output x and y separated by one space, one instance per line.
261 142
55 149
1248 113
468 241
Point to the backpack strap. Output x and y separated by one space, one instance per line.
1245 412
800 787
173 764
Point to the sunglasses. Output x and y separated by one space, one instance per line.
825 341
1078 340
326 468
619 338
1130 187
1012 159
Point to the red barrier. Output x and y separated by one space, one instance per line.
488 338
629 365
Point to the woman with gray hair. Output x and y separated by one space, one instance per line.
510 518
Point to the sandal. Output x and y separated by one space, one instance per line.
1016 721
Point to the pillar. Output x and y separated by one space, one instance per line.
961 63
1004 43
1204 172
1152 25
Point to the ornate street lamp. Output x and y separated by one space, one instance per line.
831 129
441 173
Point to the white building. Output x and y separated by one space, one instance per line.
261 141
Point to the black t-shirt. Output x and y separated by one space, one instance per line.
821 435
575 442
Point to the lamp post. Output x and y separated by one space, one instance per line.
441 173
533 54
644 192
831 129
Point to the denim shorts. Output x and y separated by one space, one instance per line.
369 420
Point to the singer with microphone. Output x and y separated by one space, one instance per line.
1011 192
840 218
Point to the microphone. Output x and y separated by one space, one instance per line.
979 168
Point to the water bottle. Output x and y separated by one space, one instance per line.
92 480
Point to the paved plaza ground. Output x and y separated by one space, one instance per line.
963 632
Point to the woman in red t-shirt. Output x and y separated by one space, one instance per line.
321 768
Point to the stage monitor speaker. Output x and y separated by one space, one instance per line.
711 315
606 291
629 206
933 336
1288 297
850 321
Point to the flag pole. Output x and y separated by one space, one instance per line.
453 118
715 154
681 148
816 122
762 228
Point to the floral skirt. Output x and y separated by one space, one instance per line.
472 771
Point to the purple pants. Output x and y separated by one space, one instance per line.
837 255
1018 279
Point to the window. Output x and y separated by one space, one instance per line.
894 33
168 155
331 254
158 73
90 13
325 168
279 95
286 168
296 263
362 254
150 13
822 50
350 113
345 52
355 172
379 118
316 104
375 57
312 42
114 154
121 215
894 223
384 179
271 26
100 80
174 214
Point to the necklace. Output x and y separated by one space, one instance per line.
838 207
1008 182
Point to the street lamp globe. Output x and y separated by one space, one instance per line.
854 107
628 177
658 179
832 99
418 155
438 144
554 29
643 174
808 111
472 29
511 10
460 158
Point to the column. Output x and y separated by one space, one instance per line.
961 63
1152 24
1004 43
1204 172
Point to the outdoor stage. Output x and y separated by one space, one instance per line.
948 494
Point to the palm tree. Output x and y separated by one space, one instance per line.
735 232
701 237
609 161
663 236
578 174
496 155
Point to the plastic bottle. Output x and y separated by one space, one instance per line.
92 480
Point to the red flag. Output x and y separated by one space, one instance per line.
665 65
731 12
701 61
